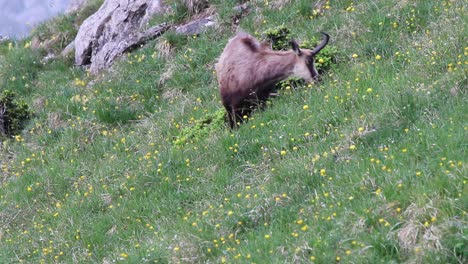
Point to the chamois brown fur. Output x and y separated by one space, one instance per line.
248 70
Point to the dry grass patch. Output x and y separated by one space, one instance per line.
186 250
196 6
279 4
418 234
164 49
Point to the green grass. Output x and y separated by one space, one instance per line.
368 166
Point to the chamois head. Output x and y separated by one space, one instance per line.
248 71
305 67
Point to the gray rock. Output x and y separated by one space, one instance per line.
242 8
68 50
155 7
197 26
115 28
48 57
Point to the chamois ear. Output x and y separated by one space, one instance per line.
295 47
265 45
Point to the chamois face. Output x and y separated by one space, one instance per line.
305 67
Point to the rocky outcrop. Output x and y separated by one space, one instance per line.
154 7
197 26
117 27
68 50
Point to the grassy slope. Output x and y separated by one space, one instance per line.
373 169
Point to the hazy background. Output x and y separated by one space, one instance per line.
17 17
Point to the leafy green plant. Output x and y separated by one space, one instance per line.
13 113
279 37
201 128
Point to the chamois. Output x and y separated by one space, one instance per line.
248 70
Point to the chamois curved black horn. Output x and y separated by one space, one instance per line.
322 45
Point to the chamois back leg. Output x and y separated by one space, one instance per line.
233 120
230 115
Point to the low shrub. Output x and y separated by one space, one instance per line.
13 113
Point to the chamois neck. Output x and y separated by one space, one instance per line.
281 64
